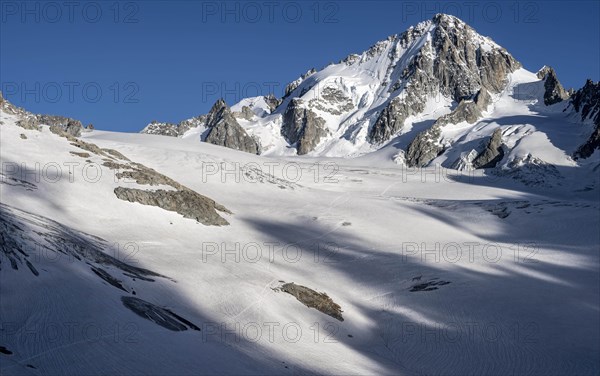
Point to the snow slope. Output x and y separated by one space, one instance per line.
436 272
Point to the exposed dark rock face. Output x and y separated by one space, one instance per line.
454 63
586 101
225 130
302 127
218 111
92 148
426 146
554 92
313 299
417 80
461 66
492 154
109 154
391 120
185 202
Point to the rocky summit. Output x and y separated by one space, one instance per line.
453 60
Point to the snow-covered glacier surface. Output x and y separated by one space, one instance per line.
434 271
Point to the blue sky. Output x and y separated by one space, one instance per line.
120 65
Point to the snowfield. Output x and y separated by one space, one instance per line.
436 271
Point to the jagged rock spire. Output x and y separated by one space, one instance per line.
554 92
225 130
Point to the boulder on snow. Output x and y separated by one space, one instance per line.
313 299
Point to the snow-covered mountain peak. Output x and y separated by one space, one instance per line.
408 95
352 101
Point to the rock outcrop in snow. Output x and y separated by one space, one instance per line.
392 118
179 198
586 101
172 129
219 127
302 127
59 123
29 120
224 130
161 128
554 91
185 202
493 152
313 299
427 145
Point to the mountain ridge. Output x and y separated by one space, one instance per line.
439 72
